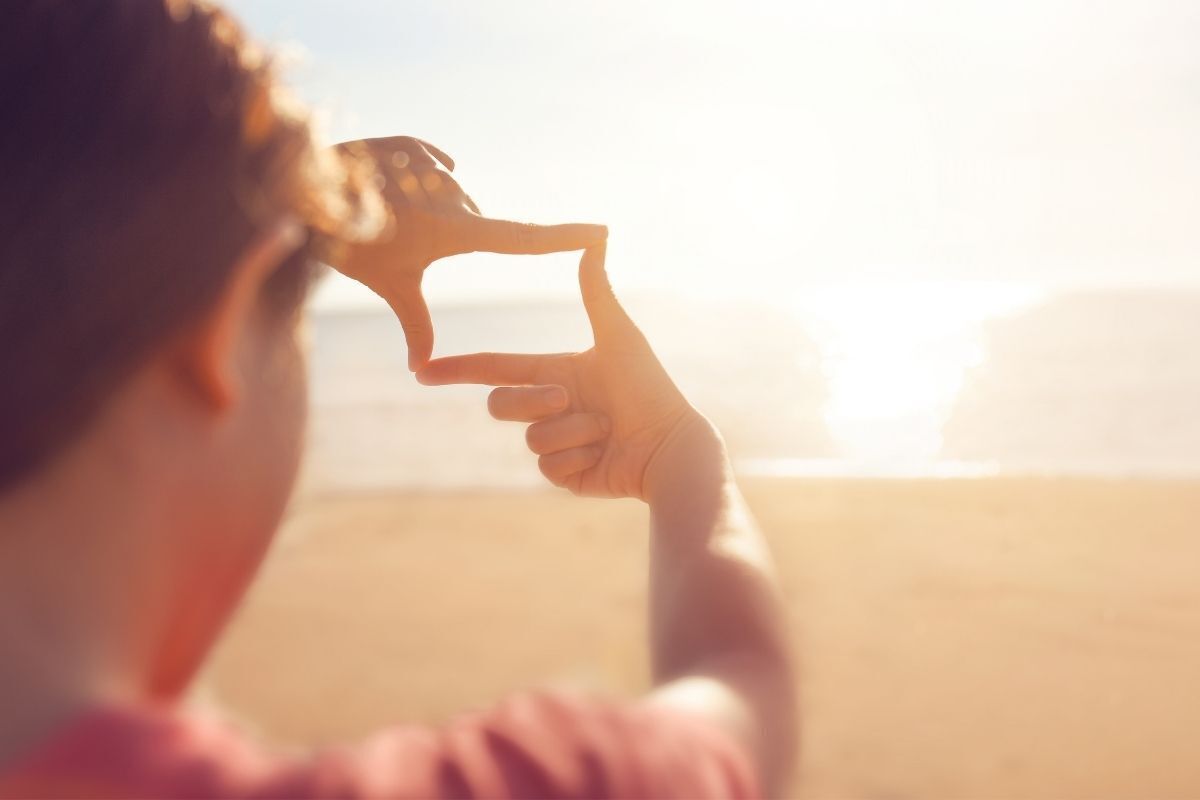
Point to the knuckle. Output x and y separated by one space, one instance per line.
598 426
414 328
595 452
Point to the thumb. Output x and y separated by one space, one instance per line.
604 311
485 235
413 313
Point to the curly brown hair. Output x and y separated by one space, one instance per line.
144 144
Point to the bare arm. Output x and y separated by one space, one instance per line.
716 621
610 422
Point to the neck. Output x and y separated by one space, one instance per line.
81 604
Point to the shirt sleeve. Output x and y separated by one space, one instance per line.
539 745
549 745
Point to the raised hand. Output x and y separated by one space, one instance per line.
432 217
609 422
601 418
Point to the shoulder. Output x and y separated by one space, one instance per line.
142 752
537 744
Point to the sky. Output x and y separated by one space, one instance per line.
765 149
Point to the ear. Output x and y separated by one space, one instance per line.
209 350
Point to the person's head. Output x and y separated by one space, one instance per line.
162 212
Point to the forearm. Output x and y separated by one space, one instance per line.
715 608
712 586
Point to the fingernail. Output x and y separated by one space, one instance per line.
555 397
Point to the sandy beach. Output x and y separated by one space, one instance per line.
992 638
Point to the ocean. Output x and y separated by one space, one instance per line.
916 381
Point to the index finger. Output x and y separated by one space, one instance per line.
489 369
482 234
439 154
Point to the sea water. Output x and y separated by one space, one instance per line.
939 381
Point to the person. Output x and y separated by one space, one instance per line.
163 212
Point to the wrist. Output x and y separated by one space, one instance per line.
692 459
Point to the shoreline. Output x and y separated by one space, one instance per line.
537 486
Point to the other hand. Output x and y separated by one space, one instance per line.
432 217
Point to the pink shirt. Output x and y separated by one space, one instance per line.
544 745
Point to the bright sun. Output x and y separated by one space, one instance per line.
895 358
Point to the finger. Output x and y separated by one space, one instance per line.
438 153
560 466
526 403
412 187
565 432
401 151
489 369
437 184
413 313
605 312
481 234
446 190
397 159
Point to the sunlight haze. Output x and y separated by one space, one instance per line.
787 145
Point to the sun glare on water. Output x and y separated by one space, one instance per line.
895 358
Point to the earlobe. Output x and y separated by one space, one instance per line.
209 351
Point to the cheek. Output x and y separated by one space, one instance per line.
271 435
245 491
283 410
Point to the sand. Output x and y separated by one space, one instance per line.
958 639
